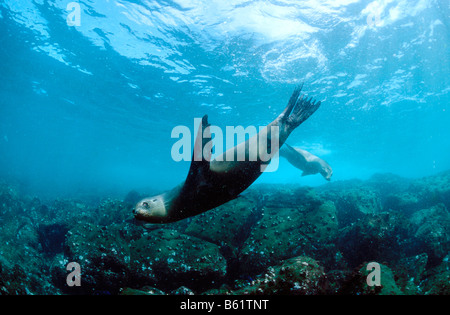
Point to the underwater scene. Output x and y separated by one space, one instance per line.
225 148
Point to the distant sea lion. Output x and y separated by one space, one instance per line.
305 161
211 183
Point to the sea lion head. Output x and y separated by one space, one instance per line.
151 210
326 172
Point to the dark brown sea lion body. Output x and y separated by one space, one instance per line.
211 183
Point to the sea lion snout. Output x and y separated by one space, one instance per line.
138 212
327 172
141 210
150 209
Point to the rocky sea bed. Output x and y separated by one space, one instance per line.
274 239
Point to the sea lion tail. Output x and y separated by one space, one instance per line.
298 109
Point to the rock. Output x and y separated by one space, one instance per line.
405 202
173 259
52 238
421 194
437 280
356 283
274 239
433 189
305 226
65 211
11 203
354 204
21 252
111 211
20 277
295 276
228 224
439 284
432 231
386 184
104 258
410 271
144 291
380 237
336 280
182 291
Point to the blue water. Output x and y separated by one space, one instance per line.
90 108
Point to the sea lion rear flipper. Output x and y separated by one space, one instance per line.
298 109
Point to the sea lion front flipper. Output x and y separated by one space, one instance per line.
201 157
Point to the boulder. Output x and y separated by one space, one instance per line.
410 272
304 225
228 224
381 237
356 283
174 259
354 203
437 281
103 256
295 276
432 231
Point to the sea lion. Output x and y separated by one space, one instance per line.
307 162
211 183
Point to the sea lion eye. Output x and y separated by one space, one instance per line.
145 204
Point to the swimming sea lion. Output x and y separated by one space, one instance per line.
305 161
211 183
